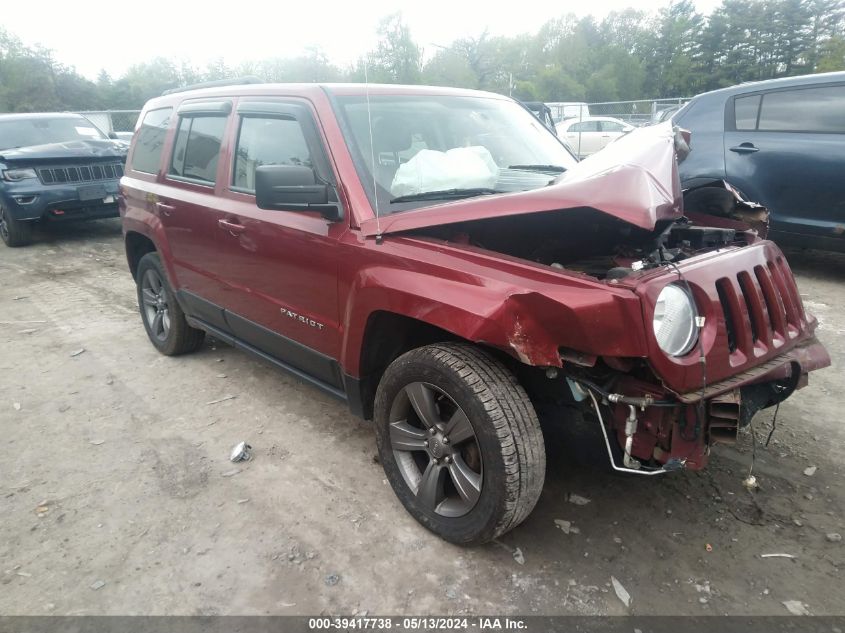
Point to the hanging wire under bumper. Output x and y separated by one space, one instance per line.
630 461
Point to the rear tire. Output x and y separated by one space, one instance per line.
459 441
162 315
14 232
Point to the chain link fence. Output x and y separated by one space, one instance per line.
120 121
638 113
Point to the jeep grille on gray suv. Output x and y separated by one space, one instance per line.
82 173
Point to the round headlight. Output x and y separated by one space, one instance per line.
674 321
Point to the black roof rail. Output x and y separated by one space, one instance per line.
249 79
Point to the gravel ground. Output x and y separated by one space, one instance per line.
118 497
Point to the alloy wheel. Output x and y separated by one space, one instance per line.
154 300
436 449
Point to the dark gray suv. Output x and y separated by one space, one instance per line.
782 143
55 167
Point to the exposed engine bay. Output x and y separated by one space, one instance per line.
604 247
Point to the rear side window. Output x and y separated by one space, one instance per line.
585 126
149 140
611 126
268 141
746 109
820 109
196 151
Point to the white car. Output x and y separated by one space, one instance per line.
588 135
562 110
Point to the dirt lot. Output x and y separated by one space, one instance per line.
114 470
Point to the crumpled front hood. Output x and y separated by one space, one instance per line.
64 151
635 179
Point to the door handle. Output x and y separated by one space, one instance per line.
744 148
165 209
234 228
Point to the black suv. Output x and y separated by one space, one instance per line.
55 167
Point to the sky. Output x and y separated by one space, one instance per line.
95 35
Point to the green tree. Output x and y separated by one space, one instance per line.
31 80
674 49
217 70
831 55
448 67
313 66
554 84
628 55
397 58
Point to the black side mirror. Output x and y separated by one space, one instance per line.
113 135
294 188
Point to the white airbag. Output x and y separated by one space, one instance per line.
458 168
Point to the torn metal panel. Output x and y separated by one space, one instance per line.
719 204
539 331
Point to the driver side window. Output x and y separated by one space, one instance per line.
267 141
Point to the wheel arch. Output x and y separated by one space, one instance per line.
387 335
137 245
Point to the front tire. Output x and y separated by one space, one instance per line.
459 441
163 318
14 232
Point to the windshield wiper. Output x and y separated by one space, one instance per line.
555 168
447 194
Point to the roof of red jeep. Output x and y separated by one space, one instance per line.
312 90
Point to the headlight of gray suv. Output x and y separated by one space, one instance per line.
674 320
14 175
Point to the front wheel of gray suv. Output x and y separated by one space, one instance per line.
459 441
162 315
14 232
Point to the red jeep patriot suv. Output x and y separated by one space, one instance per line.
439 260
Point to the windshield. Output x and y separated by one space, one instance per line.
22 132
429 149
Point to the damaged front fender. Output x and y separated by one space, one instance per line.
531 325
539 329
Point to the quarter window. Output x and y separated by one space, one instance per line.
268 141
746 112
196 151
611 126
149 140
820 109
585 126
